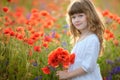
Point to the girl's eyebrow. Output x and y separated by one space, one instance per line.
78 14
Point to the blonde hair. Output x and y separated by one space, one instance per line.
94 21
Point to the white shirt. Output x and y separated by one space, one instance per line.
86 55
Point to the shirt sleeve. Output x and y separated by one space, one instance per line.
91 54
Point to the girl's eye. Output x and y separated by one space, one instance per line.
73 17
80 15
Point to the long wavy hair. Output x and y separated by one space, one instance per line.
94 21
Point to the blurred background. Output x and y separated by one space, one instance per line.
23 30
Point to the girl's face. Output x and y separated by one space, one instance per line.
79 20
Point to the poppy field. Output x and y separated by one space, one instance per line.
33 31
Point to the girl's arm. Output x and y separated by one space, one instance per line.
75 73
67 75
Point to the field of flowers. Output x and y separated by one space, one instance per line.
30 30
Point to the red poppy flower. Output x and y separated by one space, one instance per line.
46 70
48 24
34 10
37 48
7 19
72 58
30 41
12 33
116 42
5 9
109 35
45 44
105 13
30 28
19 29
119 22
7 30
9 0
60 57
47 39
36 34
53 59
57 36
64 58
19 36
44 13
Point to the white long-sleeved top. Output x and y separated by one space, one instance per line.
86 55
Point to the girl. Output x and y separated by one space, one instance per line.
87 30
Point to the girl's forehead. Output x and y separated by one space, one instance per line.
78 14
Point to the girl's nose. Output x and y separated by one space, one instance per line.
77 19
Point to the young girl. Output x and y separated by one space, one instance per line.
87 30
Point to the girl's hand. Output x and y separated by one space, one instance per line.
62 74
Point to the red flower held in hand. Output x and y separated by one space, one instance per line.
72 58
60 56
53 59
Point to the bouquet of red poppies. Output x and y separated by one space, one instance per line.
58 59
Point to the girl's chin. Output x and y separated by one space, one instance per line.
79 27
